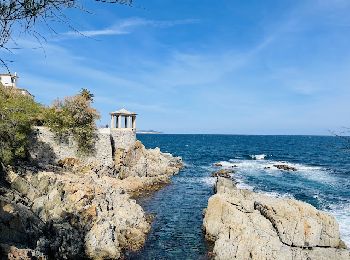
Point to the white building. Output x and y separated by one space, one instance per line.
8 80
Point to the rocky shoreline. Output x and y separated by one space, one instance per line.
79 210
247 225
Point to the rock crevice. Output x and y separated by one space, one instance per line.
269 228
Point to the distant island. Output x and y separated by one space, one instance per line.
148 132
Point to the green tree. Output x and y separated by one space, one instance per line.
85 93
74 117
18 113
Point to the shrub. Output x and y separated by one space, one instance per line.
74 117
18 113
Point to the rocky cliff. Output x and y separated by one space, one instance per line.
248 225
78 210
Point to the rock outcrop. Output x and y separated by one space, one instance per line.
142 162
226 173
285 167
80 211
248 225
19 227
71 216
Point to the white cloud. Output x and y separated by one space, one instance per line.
253 84
126 26
94 33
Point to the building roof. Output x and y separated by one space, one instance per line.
9 74
123 112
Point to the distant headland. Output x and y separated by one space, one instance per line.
148 132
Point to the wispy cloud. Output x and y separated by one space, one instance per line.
286 78
94 33
127 26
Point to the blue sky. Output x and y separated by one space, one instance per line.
190 66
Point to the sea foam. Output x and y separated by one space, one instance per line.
246 170
258 156
342 214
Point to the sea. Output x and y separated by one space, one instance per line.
322 179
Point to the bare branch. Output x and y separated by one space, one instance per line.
27 13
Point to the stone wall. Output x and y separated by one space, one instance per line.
122 138
46 149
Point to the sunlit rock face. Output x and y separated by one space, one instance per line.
80 209
248 225
77 215
142 162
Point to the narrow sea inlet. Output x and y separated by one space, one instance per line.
178 208
321 179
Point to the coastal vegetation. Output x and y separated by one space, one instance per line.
18 113
72 116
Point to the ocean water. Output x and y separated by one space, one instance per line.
322 179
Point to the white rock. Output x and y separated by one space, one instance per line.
247 225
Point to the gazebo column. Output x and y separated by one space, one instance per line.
112 121
133 122
119 120
126 121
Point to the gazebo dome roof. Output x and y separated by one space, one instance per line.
123 112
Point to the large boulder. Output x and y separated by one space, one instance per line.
18 224
20 228
80 215
142 162
248 225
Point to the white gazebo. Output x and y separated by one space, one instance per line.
129 119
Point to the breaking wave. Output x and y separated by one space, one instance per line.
308 183
342 214
258 156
